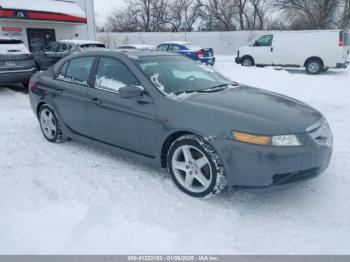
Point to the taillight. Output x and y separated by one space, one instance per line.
200 53
32 85
341 39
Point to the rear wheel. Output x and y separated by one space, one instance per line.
25 84
196 167
49 125
314 66
247 61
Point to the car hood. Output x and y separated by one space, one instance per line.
259 111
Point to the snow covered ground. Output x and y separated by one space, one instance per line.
73 199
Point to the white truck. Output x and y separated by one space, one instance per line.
316 50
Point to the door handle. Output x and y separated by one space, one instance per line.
271 49
95 101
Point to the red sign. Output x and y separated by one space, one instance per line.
12 29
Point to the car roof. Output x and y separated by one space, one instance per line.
138 46
176 42
131 53
79 41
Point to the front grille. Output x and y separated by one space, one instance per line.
287 178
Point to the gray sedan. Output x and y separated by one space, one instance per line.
172 112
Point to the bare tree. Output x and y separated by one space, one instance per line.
319 13
220 12
192 12
346 14
174 15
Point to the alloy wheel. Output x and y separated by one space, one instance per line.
48 123
192 169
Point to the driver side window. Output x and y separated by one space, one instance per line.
113 74
265 40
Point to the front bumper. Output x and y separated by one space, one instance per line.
238 60
16 76
252 166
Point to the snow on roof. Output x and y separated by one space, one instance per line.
51 6
79 41
177 42
138 46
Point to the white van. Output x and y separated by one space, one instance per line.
317 51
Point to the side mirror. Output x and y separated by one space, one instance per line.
129 92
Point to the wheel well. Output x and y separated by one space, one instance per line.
167 143
247 56
38 108
314 58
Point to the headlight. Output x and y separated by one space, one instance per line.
289 140
285 140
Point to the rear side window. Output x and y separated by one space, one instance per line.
93 46
174 48
10 41
163 48
62 73
77 70
64 48
265 40
113 74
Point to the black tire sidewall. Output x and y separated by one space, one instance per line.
57 136
196 144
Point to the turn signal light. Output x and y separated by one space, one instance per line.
252 139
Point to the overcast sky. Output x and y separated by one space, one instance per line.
104 7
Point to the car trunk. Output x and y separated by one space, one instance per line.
14 56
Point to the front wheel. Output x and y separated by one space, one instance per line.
195 167
247 61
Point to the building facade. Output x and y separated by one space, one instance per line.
40 22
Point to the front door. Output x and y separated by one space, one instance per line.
38 39
263 50
123 123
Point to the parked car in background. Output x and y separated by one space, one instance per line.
55 51
168 110
317 51
16 62
204 55
137 47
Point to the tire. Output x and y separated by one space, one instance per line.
247 61
314 66
49 124
195 167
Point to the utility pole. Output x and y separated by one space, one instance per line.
346 14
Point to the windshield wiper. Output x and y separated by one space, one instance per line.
216 88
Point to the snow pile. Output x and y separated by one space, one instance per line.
71 198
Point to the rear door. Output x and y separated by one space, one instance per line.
344 45
263 49
71 87
123 123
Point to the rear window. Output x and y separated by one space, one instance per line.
93 45
346 38
10 41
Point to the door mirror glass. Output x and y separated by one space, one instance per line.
130 92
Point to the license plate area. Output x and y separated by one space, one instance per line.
10 63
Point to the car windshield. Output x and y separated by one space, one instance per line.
176 74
